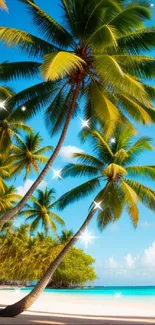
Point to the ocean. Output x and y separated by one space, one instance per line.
143 291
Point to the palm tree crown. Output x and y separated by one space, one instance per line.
28 154
99 49
112 170
41 211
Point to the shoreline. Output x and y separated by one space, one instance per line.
62 308
78 304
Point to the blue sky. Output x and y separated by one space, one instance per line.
124 256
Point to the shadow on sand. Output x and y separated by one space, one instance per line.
35 317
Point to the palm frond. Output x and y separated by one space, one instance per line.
142 144
3 5
137 41
59 65
78 193
108 69
59 220
29 44
104 36
131 198
88 159
79 170
142 171
131 17
103 107
144 193
139 66
135 110
51 30
11 70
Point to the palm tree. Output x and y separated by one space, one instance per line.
66 236
9 123
99 52
28 154
41 212
3 5
5 171
8 197
113 170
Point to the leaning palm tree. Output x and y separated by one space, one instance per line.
28 154
3 5
41 212
99 51
112 170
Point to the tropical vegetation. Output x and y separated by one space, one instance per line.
24 259
111 171
100 51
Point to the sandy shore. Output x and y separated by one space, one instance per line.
62 308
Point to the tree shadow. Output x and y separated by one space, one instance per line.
64 319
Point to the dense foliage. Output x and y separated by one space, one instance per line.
25 258
100 52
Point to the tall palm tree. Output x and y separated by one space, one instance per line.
3 5
113 168
99 51
41 211
28 154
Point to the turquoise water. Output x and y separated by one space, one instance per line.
106 291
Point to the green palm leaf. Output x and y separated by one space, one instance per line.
79 170
147 171
29 44
144 193
9 71
130 197
51 30
78 193
59 65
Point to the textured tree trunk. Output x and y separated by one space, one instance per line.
10 214
26 302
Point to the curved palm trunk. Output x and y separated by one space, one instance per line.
10 214
26 302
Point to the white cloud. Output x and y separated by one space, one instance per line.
149 256
130 261
67 152
28 183
23 189
136 268
112 263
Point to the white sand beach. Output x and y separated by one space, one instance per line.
60 308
